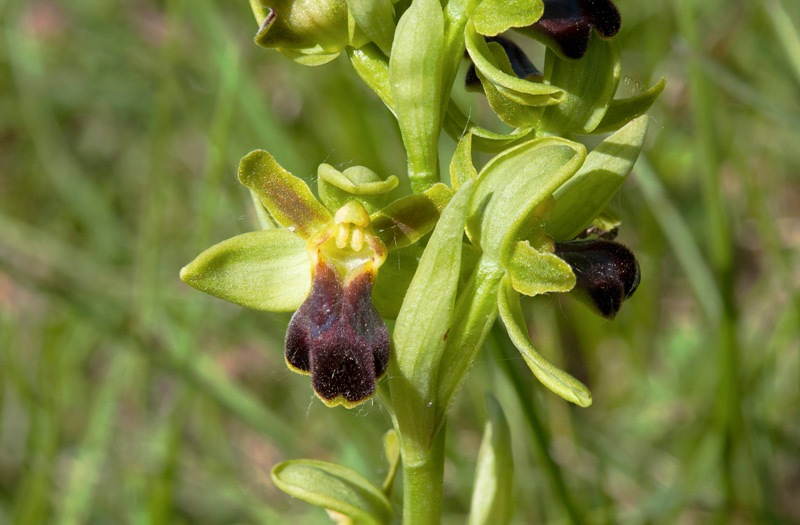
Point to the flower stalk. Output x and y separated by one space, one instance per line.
457 253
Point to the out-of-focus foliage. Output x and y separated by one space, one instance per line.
125 396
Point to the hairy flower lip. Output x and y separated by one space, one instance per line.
606 272
338 336
568 23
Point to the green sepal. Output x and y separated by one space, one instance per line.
311 27
406 220
456 124
287 198
512 87
588 193
623 110
333 487
415 68
424 321
535 272
461 167
336 187
589 84
315 56
493 489
513 184
264 270
394 279
391 448
506 109
492 17
548 374
372 67
376 19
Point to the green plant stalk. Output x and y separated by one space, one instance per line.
423 474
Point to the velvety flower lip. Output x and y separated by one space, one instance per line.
520 63
568 23
339 338
606 273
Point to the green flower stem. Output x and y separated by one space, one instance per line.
423 474
507 358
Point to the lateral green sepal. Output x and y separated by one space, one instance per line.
587 194
623 110
287 198
548 374
535 272
264 270
333 487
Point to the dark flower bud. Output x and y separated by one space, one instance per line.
520 63
567 24
606 273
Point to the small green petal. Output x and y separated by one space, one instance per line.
507 110
287 198
406 220
492 17
534 272
588 193
333 487
264 270
336 188
456 124
549 375
519 90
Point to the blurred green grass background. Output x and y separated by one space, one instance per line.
126 397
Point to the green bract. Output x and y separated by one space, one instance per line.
335 488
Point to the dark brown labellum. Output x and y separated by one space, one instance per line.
568 23
606 273
339 338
